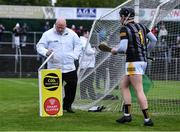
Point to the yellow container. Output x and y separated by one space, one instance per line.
50 92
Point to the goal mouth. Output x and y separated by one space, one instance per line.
104 77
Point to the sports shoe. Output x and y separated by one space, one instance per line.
124 119
148 123
68 109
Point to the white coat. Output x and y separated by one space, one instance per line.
66 47
88 57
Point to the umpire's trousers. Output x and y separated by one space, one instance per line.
70 88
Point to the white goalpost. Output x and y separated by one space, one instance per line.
99 85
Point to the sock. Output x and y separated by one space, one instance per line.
146 120
146 114
127 109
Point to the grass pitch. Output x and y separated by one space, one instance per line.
19 111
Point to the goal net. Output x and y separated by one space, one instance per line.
99 85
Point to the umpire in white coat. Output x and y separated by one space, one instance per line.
67 47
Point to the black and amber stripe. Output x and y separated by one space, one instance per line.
145 113
137 45
127 108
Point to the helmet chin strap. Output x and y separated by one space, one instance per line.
128 19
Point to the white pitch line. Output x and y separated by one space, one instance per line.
20 82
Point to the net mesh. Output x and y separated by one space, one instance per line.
99 85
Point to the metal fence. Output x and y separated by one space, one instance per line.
18 61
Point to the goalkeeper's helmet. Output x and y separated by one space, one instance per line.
127 12
127 15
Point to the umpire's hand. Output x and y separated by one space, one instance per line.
76 63
49 52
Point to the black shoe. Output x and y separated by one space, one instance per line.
124 119
148 123
69 110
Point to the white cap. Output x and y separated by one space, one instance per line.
17 25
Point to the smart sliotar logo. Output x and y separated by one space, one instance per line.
51 82
52 106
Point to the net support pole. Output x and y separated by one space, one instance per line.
123 4
47 59
157 13
136 9
20 62
107 83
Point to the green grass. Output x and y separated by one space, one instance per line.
19 111
168 89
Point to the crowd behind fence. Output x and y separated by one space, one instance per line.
24 61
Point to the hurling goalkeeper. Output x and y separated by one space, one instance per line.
134 44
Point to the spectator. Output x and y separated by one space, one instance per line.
163 34
46 26
87 64
67 47
73 27
102 34
24 31
2 28
178 41
16 34
80 31
154 30
101 75
176 48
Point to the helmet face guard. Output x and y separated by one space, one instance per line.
128 13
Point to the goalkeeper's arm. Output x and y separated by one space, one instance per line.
122 47
152 41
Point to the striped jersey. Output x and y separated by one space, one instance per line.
137 43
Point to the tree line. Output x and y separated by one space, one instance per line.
65 3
